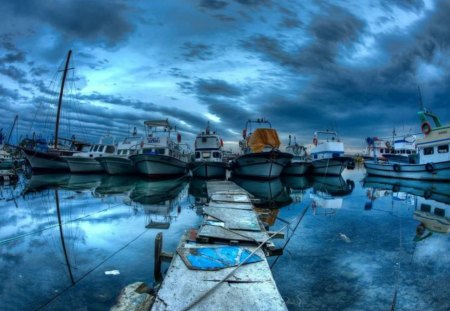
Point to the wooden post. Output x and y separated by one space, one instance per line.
157 259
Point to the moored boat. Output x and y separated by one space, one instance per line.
159 154
119 163
327 154
300 164
261 156
433 151
86 161
208 157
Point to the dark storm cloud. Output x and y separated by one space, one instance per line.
14 73
254 2
18 57
213 4
101 20
408 5
7 93
196 51
215 87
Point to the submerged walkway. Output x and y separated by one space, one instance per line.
222 265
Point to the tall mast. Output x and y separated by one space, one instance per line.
12 128
66 68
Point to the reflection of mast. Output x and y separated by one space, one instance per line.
58 211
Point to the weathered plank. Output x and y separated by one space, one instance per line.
250 288
234 218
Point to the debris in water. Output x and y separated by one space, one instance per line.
344 238
112 272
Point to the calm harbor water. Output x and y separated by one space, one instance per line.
354 243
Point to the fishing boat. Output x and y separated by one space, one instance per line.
208 159
433 154
261 157
119 163
327 154
86 161
300 163
401 149
48 157
8 156
160 155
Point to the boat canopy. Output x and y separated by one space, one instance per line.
156 123
263 137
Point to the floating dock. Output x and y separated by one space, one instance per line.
222 265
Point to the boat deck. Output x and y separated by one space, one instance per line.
229 223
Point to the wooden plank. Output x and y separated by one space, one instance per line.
243 206
234 219
221 233
230 198
250 288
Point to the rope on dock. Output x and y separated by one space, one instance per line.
293 232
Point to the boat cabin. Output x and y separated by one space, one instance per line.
208 147
434 146
434 215
326 145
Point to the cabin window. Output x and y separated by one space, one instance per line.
216 154
100 148
381 150
159 151
206 154
203 139
119 152
443 149
439 212
197 155
109 149
428 151
95 148
147 151
425 208
408 151
315 156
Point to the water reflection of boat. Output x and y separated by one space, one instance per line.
82 181
296 182
158 199
116 184
198 189
45 181
439 191
333 185
432 215
153 192
268 192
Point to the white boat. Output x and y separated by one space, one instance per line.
400 149
119 163
208 159
300 164
327 154
159 154
433 151
261 156
86 161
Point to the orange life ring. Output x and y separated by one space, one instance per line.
426 128
221 142
315 141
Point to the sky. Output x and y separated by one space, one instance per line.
351 66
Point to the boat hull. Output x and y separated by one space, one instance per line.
117 165
265 165
158 165
83 165
329 167
208 169
45 162
429 171
297 168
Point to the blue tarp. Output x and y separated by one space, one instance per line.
216 258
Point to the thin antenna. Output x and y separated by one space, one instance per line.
420 98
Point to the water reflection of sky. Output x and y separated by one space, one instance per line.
354 249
